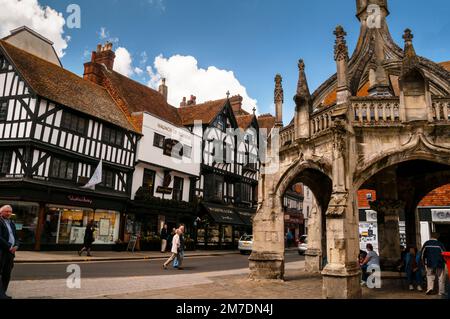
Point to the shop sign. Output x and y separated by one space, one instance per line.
371 216
440 215
164 190
80 199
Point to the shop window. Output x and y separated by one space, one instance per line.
158 141
178 189
74 123
112 136
62 169
67 225
148 183
3 110
26 219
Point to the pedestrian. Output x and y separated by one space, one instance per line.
164 234
88 239
169 239
178 262
413 268
9 244
175 248
372 259
434 264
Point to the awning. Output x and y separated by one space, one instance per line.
246 217
223 214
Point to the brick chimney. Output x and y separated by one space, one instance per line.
192 101
163 90
103 57
183 103
236 104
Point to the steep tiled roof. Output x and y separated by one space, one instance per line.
205 112
446 65
61 86
266 121
244 121
141 98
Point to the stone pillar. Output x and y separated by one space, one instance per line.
267 258
388 208
313 256
342 275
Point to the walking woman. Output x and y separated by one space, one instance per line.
175 248
88 239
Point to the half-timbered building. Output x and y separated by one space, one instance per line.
167 159
227 187
55 130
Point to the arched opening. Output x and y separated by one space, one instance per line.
319 187
396 193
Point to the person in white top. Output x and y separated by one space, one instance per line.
175 248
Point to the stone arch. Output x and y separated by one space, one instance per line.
310 173
418 148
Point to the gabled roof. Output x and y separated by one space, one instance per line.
205 112
244 121
61 86
266 121
141 98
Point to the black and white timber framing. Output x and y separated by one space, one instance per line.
45 141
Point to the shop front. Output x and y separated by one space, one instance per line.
220 227
146 219
55 219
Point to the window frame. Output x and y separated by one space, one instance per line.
160 138
68 126
148 172
105 174
4 102
117 135
60 162
179 190
3 156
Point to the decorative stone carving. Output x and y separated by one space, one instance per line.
340 48
337 206
279 93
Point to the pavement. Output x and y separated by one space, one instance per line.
72 256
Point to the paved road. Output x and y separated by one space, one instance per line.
116 269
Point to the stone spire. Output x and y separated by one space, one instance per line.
378 78
366 7
410 60
279 100
303 104
303 95
341 58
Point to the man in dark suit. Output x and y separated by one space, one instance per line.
8 247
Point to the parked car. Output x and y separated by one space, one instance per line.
302 245
245 245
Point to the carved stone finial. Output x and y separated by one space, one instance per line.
301 65
228 94
340 48
408 36
303 94
279 92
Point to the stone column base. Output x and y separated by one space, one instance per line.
341 283
313 261
266 266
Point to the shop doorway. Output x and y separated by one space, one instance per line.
444 234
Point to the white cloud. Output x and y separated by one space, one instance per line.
138 71
123 62
159 4
44 20
184 78
104 35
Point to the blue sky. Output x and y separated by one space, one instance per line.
253 38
